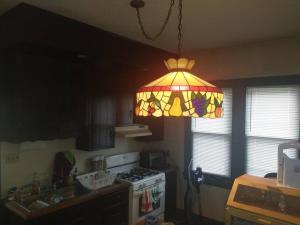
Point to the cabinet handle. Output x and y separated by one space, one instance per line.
111 133
130 115
264 221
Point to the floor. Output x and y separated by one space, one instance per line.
178 219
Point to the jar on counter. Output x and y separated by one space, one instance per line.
35 184
97 163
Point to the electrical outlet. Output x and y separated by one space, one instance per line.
12 157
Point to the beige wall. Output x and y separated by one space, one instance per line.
38 156
213 199
268 58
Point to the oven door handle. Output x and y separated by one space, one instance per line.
139 193
157 185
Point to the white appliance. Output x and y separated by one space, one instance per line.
96 180
288 173
126 166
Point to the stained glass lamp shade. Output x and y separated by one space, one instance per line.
179 93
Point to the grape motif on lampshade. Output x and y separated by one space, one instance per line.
179 93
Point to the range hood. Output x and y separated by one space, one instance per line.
133 130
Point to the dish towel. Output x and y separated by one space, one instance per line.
147 201
156 194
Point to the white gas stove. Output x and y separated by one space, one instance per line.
144 184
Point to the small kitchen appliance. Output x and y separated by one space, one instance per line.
157 160
153 159
147 187
288 173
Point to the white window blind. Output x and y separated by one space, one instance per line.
212 140
272 117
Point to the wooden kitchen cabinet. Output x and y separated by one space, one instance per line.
128 83
156 125
126 115
96 107
171 191
37 95
108 65
125 108
98 122
109 101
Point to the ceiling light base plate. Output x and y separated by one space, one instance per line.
137 4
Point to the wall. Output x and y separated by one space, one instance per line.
270 58
38 156
213 199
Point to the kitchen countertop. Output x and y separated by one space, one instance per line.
15 207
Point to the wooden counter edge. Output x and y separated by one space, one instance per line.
24 214
252 216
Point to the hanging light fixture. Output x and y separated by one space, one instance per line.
179 92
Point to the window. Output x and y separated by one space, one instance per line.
259 114
272 117
212 140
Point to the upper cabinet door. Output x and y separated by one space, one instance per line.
125 107
97 107
104 121
37 93
98 122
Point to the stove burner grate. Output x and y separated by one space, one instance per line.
137 174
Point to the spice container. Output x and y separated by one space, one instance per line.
97 163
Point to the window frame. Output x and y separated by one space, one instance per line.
212 178
238 136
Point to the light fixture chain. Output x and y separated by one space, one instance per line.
147 36
179 47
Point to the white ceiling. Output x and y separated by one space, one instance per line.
206 23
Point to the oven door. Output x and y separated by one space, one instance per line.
140 208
